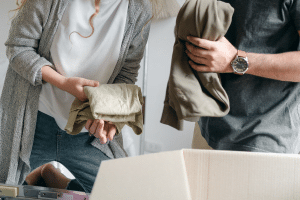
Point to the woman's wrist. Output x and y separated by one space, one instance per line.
53 77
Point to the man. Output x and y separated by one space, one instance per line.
262 82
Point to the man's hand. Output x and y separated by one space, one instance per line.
210 56
101 129
74 86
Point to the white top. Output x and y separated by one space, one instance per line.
92 58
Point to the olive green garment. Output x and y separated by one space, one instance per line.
117 103
190 94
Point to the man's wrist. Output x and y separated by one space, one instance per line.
240 63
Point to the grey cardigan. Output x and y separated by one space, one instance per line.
28 49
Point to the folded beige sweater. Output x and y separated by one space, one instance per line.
117 103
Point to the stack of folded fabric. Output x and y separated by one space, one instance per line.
120 104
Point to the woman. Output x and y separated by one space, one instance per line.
54 53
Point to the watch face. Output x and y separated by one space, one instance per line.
240 65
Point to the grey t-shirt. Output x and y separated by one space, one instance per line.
264 113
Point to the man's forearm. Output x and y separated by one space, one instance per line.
284 66
215 56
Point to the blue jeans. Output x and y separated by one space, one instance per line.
73 151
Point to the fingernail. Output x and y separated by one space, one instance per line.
188 38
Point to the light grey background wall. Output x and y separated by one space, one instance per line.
5 6
161 43
157 137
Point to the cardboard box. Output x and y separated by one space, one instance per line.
200 174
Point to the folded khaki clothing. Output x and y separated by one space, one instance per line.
191 94
120 104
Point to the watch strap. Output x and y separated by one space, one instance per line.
241 53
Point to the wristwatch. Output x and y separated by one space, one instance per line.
240 64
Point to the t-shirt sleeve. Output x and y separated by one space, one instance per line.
295 13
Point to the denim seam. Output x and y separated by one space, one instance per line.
58 141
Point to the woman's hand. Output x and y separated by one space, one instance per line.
101 129
210 56
74 86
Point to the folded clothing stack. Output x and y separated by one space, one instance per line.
120 104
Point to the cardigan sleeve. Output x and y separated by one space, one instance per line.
23 40
129 71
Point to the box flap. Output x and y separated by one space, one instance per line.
232 175
159 176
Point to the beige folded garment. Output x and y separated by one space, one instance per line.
162 9
190 94
117 103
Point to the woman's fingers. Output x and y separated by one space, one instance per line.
101 132
112 131
88 82
101 129
88 124
93 126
